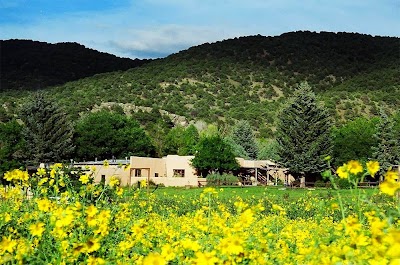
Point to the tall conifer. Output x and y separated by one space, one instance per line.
303 133
48 132
243 135
387 150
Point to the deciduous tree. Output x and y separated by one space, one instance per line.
214 155
104 135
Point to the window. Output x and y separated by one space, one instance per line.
103 179
179 173
156 175
138 172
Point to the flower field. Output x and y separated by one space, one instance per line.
59 217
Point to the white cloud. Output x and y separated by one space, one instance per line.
156 28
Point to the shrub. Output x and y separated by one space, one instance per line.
217 179
319 184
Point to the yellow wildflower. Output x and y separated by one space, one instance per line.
334 206
206 258
42 181
119 191
354 167
8 244
95 261
143 183
37 229
84 179
41 171
277 207
373 167
232 245
114 181
106 163
92 245
154 259
342 172
391 176
43 205
389 187
91 211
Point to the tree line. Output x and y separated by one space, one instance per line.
44 133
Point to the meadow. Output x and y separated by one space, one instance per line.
56 216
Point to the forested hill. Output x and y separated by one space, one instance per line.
27 64
250 77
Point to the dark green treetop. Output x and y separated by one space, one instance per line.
303 133
47 132
243 135
104 135
214 155
386 152
354 140
11 144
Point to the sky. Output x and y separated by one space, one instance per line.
157 28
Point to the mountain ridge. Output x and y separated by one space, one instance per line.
42 64
251 77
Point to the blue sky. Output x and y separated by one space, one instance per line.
157 28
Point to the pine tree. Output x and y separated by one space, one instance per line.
11 143
48 132
387 150
303 133
243 135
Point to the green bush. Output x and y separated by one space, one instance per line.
343 184
320 184
216 179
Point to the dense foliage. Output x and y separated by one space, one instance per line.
27 64
105 135
11 144
304 133
387 149
47 131
214 155
248 78
181 141
354 140
242 134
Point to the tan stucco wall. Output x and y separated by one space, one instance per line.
112 170
156 165
165 168
254 163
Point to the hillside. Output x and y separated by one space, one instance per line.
250 77
27 64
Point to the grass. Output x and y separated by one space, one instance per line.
260 192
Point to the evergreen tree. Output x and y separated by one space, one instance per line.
237 149
11 143
387 150
268 149
243 135
303 133
214 155
48 132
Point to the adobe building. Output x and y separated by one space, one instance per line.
174 170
